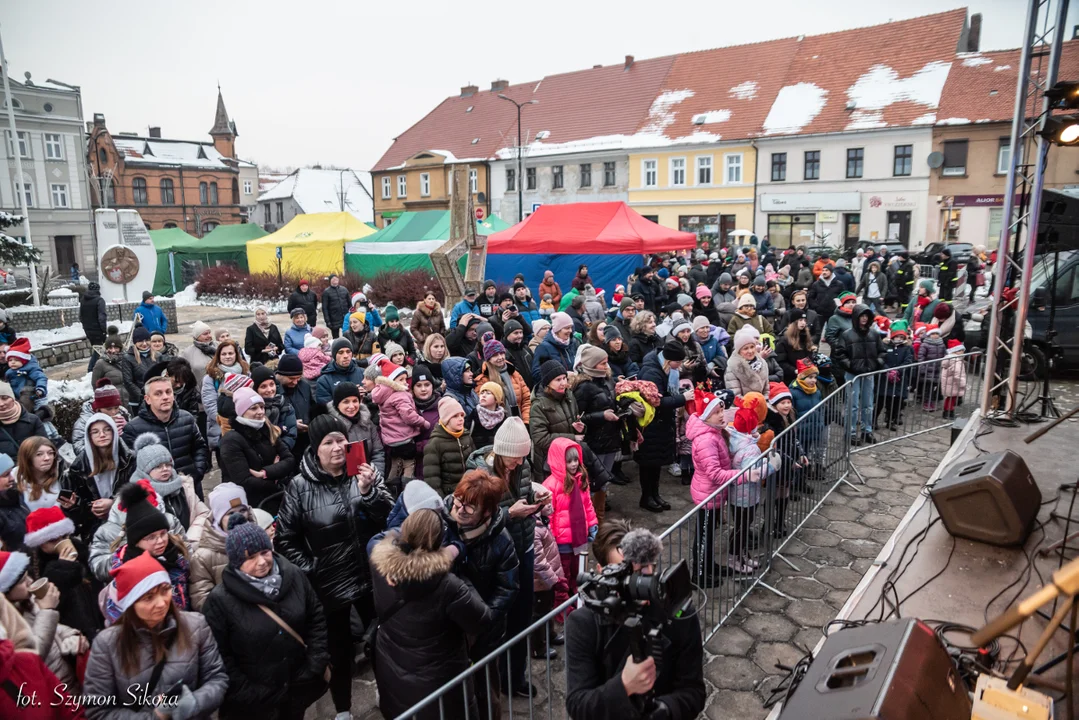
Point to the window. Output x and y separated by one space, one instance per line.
54 147
425 184
678 171
1004 156
24 144
168 196
955 158
139 196
704 170
734 168
473 183
402 186
904 155
386 188
812 165
586 175
168 225
247 187
28 190
779 167
267 216
556 177
530 178
855 162
208 226
511 179
608 174
790 230
280 207
59 195
213 193
650 174
203 193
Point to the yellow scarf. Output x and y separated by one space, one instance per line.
807 389
451 432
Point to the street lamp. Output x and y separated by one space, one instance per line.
520 172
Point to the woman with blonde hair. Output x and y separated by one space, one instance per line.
227 360
434 352
643 337
37 474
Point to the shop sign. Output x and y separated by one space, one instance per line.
827 217
975 200
811 202
899 202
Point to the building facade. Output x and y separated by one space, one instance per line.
49 124
839 189
312 190
422 182
192 185
582 177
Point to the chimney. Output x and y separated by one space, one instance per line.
99 119
499 85
629 62
155 132
1075 33
469 90
974 35
89 126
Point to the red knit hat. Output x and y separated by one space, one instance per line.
752 409
20 349
12 567
106 395
45 524
778 391
137 577
806 367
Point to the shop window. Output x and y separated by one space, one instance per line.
791 230
706 227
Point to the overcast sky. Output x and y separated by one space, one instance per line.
334 82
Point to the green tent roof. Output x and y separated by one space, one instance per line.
428 225
170 238
229 237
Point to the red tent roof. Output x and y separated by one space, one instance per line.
609 228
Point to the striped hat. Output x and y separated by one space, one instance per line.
778 391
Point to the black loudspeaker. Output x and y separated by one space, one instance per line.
886 671
991 499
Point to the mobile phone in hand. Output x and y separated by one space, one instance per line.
67 495
355 457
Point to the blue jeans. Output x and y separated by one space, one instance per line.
93 361
861 398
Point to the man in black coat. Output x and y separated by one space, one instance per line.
903 280
304 297
659 446
844 276
94 320
644 287
177 429
335 305
858 351
823 293
949 273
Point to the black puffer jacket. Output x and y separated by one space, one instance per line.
641 344
255 342
92 314
522 530
659 443
324 526
244 449
78 480
822 297
11 436
594 395
423 644
859 351
335 305
263 661
306 300
13 512
489 563
180 434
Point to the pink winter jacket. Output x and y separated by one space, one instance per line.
953 377
712 465
547 570
313 360
560 524
399 421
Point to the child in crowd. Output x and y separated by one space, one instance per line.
24 372
7 333
806 395
746 455
953 378
548 581
425 396
932 348
399 422
573 521
546 306
781 415
314 357
397 355
712 469
895 384
489 414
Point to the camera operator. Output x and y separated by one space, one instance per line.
603 681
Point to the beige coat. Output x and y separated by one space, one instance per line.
207 563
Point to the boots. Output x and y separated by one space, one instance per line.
599 503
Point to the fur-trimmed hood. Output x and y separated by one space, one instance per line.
391 384
421 307
399 568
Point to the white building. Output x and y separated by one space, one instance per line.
558 179
837 189
313 190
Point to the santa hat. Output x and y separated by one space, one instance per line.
706 403
20 349
778 391
377 359
137 577
752 409
931 329
883 324
391 371
12 567
805 368
955 347
919 329
357 297
45 524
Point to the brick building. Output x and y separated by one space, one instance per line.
192 185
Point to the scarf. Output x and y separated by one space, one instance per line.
265 328
756 364
248 422
507 387
11 415
807 389
672 376
471 533
166 488
270 586
207 348
233 368
392 333
490 418
425 405
451 432
578 523
556 339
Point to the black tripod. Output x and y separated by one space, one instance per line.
1048 406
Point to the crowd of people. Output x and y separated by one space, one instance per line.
416 487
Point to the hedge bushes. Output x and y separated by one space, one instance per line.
402 289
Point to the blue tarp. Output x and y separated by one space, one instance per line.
606 270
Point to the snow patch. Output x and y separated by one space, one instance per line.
795 107
187 297
661 115
929 118
278 306
41 338
62 292
866 120
1000 68
881 86
712 116
953 121
746 90
976 60
81 389
984 120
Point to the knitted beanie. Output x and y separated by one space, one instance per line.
611 332
495 389
627 302
805 368
310 341
421 373
391 349
320 332
682 325
235 381
322 426
390 315
142 517
340 344
683 300
198 328
290 366
702 292
540 324
746 299
560 321
512 439
260 375
223 498
493 347
149 454
6 463
244 399
746 334
244 539
105 396
590 358
418 495
345 390
372 372
700 322
140 334
549 371
674 351
447 408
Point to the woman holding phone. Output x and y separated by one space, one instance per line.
254 454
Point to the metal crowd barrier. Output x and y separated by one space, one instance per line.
730 539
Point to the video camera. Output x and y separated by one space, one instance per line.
621 594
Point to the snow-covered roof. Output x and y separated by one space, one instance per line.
317 190
156 151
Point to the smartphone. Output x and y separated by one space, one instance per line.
67 494
355 456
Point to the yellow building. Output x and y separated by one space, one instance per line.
422 182
704 189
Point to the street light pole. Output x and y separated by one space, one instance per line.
520 171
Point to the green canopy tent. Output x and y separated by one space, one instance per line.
165 241
408 243
224 245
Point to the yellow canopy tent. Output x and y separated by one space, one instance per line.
309 243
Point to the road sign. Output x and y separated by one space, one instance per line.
480 214
278 253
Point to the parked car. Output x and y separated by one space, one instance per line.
928 256
893 247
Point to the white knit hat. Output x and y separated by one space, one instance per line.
311 342
700 322
746 335
225 497
746 299
512 439
683 325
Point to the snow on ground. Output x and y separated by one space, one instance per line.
186 297
277 306
41 338
81 389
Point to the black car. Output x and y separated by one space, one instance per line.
961 252
894 248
